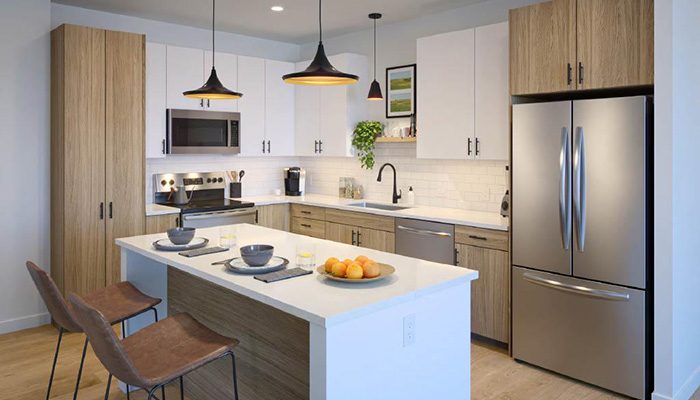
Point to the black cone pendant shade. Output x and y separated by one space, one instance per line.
375 91
320 72
213 89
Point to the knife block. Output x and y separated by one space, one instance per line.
234 189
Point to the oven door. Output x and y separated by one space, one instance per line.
218 218
203 132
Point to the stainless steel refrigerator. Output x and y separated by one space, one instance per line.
581 227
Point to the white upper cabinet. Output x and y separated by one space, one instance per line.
227 71
185 71
327 115
251 83
492 106
156 60
445 103
279 109
463 101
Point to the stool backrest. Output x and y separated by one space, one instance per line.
105 342
58 308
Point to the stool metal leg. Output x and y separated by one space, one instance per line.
235 379
80 370
55 358
182 389
109 383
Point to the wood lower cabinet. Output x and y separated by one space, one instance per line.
275 216
361 237
566 45
161 223
97 152
490 293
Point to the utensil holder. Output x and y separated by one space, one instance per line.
235 189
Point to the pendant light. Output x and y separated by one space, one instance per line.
213 89
375 91
320 72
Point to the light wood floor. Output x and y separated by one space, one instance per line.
25 360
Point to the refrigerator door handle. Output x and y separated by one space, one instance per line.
583 290
564 191
580 188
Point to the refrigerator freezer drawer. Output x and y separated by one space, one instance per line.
586 330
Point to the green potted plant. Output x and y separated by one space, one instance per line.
363 138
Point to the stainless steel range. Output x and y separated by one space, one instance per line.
207 205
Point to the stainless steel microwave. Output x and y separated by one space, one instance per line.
203 132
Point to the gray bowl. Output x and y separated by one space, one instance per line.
181 235
257 255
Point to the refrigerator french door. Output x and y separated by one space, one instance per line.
581 240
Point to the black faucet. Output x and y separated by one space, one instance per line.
394 196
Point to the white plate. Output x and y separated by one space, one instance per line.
167 245
275 264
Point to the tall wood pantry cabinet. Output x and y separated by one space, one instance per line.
97 153
567 45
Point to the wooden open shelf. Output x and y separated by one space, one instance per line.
395 140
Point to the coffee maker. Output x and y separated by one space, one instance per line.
294 181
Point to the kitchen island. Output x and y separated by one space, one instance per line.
405 337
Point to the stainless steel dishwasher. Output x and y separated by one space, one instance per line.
432 241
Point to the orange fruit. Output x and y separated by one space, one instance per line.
361 259
329 264
348 261
370 269
339 270
354 271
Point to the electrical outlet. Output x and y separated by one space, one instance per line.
409 330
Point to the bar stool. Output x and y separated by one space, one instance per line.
157 354
117 303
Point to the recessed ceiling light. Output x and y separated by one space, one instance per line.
277 8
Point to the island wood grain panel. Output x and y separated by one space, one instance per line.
309 227
479 237
359 219
542 45
274 216
304 211
615 40
272 358
82 156
125 143
161 223
490 310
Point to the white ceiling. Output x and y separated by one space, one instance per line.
298 23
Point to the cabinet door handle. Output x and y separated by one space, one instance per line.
305 212
476 146
569 78
359 234
306 226
469 146
177 222
316 146
353 238
580 73
263 143
320 146
110 210
208 104
456 256
256 216
163 144
201 103
268 147
102 210
478 237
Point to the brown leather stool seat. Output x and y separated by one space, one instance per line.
157 354
117 302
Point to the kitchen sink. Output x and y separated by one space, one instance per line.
378 206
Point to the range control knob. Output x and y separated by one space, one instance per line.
208 180
220 179
172 182
163 182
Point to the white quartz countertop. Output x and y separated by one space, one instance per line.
311 297
479 219
157 209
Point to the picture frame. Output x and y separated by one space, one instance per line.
401 91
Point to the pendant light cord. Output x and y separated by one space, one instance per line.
320 25
375 49
213 29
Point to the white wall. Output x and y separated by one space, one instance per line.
24 158
677 221
172 34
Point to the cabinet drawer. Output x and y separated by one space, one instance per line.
309 227
364 220
302 211
487 238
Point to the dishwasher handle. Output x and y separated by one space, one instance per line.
218 214
425 232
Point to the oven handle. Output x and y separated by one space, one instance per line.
218 214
